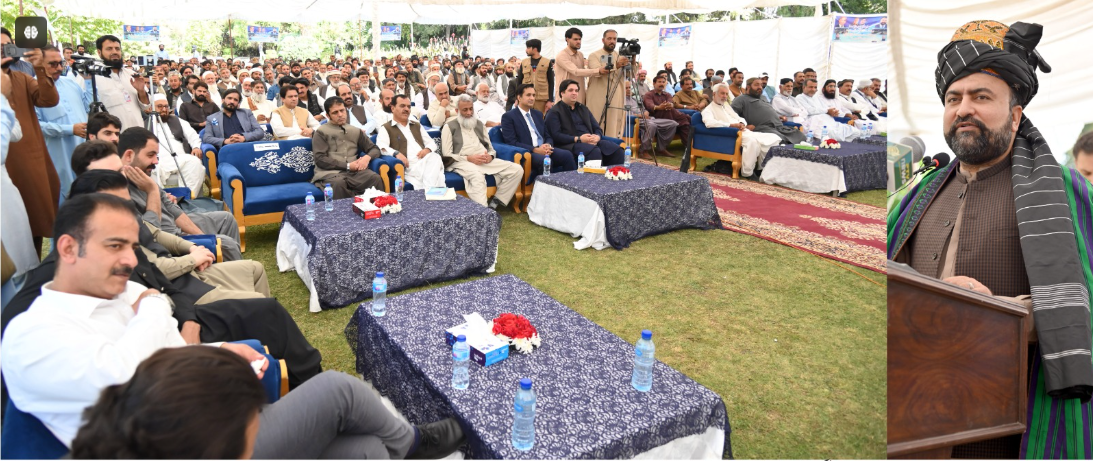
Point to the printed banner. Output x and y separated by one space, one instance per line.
390 33
860 28
519 36
675 36
141 33
263 33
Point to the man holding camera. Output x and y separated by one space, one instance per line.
29 164
124 92
601 86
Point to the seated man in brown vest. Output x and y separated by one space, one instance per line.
291 121
412 145
335 146
358 114
474 160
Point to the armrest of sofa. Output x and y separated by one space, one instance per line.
228 173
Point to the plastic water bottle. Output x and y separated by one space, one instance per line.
461 360
398 188
523 424
823 134
546 166
328 193
626 158
580 163
808 137
379 295
309 202
644 353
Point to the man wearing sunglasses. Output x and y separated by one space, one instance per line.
64 126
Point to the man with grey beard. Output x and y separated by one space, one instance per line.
468 152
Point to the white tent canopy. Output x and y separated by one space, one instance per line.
920 28
417 11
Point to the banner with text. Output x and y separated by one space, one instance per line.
519 36
860 28
263 33
674 36
141 33
390 33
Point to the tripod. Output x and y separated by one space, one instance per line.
626 74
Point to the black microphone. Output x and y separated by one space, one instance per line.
936 161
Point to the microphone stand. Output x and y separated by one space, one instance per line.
171 150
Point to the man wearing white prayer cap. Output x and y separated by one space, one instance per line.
864 98
209 77
179 149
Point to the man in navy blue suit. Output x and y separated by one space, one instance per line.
232 124
524 127
572 127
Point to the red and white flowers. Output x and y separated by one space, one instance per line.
618 173
387 204
830 143
517 331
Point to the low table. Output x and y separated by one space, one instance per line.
339 253
853 167
586 408
607 213
875 140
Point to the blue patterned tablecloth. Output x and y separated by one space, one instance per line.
875 140
585 409
657 200
863 165
428 241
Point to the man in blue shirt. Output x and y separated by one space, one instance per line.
161 55
64 126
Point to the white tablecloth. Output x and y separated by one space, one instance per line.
804 175
565 211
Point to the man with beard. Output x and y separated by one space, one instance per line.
359 116
408 141
336 146
64 126
670 74
785 105
863 97
539 71
573 128
425 98
761 115
659 103
881 98
403 86
458 80
737 86
845 89
486 110
649 127
256 102
179 147
643 84
196 111
483 73
29 163
225 81
383 116
210 82
798 83
570 64
469 153
232 124
174 89
444 109
307 99
1006 220
820 111
828 98
754 144
600 86
124 92
291 121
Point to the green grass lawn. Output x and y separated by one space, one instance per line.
794 343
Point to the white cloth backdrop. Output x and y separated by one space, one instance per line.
920 28
778 47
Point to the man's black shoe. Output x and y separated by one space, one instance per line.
437 439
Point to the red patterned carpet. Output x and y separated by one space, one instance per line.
835 228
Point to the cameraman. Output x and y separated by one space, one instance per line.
124 92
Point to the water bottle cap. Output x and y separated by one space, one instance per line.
327 184
646 334
398 176
379 274
310 194
461 338
525 384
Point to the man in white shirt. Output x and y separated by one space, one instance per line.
864 98
124 92
91 327
486 110
786 105
754 145
382 116
443 109
821 111
291 121
214 94
469 153
408 141
181 140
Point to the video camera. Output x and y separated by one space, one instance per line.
628 48
88 66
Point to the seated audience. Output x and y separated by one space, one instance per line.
458 81
232 124
761 116
649 127
754 144
405 138
573 128
687 97
199 108
525 127
845 89
209 77
486 110
469 153
863 97
643 83
359 116
821 110
737 88
444 109
306 98
257 102
179 147
291 121
659 104
336 146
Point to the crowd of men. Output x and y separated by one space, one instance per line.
121 282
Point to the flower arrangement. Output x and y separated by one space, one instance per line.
830 143
387 204
517 331
618 173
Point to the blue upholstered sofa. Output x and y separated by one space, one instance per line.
715 143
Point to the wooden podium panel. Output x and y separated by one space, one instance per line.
957 364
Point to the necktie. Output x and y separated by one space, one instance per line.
538 137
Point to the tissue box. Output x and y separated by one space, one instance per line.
366 210
487 354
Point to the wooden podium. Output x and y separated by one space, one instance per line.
957 364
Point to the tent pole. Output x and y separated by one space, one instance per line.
375 30
20 7
231 41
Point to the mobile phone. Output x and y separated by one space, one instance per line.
14 52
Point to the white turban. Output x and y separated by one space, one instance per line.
208 72
159 97
865 82
247 80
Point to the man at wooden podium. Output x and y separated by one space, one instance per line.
1006 220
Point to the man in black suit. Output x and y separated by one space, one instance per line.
524 127
573 128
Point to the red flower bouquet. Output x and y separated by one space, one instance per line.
517 331
618 173
830 143
387 204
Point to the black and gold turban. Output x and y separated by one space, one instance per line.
1006 52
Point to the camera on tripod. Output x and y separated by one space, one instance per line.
629 48
89 66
